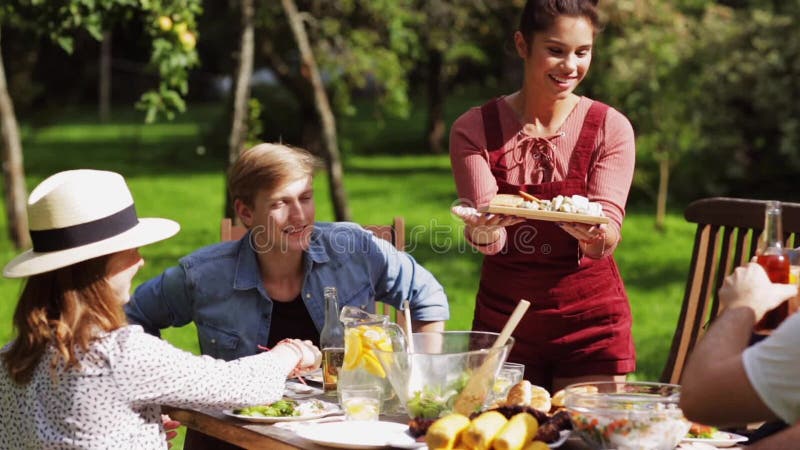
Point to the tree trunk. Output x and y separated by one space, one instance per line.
663 186
104 88
13 169
435 129
244 73
311 130
329 140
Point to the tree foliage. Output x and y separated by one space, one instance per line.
171 25
747 88
360 45
709 88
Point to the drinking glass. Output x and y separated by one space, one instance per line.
794 265
361 402
509 374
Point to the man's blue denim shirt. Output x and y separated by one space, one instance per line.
219 287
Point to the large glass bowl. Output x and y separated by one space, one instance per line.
627 415
429 381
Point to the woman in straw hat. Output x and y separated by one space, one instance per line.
76 364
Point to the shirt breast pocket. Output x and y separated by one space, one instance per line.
216 342
362 297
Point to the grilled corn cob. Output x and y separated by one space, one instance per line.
444 433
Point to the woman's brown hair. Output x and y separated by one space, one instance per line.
65 308
539 15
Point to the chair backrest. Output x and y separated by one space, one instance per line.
727 236
394 233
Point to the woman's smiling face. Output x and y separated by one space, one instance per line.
557 59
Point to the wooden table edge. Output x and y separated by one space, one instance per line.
236 432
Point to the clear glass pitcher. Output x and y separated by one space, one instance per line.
365 332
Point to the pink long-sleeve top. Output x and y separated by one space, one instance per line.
610 171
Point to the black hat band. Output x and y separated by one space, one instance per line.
85 233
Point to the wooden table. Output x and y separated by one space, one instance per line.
268 437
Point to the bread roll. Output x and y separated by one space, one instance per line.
519 394
526 394
558 397
511 200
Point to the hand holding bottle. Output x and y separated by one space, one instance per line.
750 287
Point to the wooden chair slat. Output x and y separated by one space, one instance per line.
727 234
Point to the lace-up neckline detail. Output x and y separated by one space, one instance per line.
541 150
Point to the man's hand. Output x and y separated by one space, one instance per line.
749 287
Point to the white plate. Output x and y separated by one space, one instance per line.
296 390
359 434
329 410
562 437
315 376
720 439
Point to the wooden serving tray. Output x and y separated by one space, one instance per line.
551 216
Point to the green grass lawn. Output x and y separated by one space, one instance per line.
171 176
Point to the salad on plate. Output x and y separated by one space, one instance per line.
285 410
705 434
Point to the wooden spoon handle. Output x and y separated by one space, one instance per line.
512 323
406 305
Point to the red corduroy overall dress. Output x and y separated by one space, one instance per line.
579 322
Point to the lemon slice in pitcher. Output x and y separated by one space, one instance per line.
353 349
372 365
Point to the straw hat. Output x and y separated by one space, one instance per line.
78 215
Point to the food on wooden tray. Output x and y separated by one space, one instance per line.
510 200
573 204
576 204
283 408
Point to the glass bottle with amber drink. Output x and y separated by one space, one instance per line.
773 259
331 341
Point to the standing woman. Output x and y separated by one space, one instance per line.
77 376
546 140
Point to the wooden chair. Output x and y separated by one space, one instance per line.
727 235
394 233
